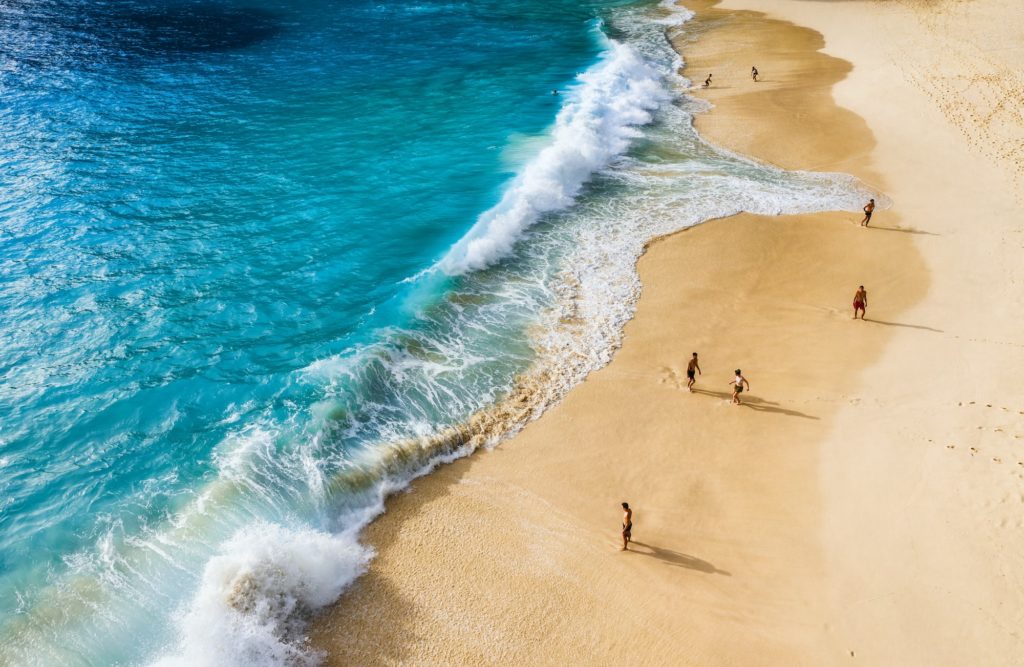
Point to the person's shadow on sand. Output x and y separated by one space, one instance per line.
755 403
676 558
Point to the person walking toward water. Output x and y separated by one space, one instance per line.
738 383
860 302
692 369
754 73
627 526
869 208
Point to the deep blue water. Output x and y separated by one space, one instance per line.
218 225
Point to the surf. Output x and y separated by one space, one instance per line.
598 122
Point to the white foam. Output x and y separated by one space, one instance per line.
257 594
678 14
597 124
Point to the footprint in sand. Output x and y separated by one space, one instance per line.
996 459
669 375
950 446
974 450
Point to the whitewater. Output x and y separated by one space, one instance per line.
484 323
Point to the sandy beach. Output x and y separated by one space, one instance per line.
865 502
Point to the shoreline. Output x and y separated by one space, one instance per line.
505 555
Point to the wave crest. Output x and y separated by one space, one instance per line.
598 123
258 594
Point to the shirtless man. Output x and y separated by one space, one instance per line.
737 386
627 526
692 369
707 82
754 73
860 302
869 208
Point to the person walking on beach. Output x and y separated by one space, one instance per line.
627 526
692 369
860 302
869 208
707 82
738 383
753 73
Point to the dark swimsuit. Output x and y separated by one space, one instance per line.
627 529
691 374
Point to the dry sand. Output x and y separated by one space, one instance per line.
865 504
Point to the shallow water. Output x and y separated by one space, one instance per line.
264 262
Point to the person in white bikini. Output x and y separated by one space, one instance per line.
738 384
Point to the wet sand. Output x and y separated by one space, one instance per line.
858 506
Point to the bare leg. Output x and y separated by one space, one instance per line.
625 542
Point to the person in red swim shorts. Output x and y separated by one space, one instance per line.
860 302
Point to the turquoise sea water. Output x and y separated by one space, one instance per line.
262 262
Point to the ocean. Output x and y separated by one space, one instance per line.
264 262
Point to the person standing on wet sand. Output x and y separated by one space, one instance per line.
738 383
869 208
860 302
707 82
754 73
627 526
692 369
